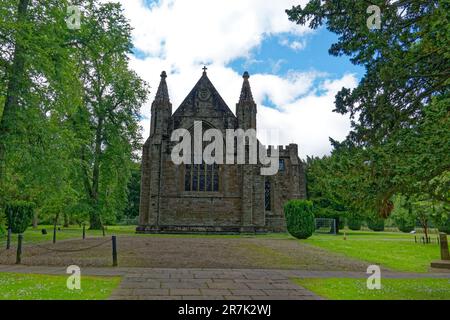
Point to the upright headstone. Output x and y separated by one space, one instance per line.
445 255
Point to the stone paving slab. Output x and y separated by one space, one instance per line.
218 284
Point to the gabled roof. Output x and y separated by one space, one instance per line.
204 91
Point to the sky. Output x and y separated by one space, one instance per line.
293 78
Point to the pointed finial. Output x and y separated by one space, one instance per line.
246 92
163 93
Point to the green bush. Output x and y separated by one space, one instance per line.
354 222
299 218
375 223
405 225
19 215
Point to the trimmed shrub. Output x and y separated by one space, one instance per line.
354 223
19 215
299 218
375 223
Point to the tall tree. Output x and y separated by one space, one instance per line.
113 95
400 109
34 61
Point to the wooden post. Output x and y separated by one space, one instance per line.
114 251
84 231
19 249
445 255
54 232
103 230
8 240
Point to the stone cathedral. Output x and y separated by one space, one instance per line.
222 198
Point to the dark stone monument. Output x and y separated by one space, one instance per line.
444 263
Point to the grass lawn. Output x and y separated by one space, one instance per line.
391 289
394 250
48 287
75 232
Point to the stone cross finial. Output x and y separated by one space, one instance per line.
204 69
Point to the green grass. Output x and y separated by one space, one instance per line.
48 287
391 289
32 236
74 232
396 251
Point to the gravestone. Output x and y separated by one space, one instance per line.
444 263
445 255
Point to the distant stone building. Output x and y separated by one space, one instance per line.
211 198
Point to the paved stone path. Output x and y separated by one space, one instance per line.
222 284
219 284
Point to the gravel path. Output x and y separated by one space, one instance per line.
186 252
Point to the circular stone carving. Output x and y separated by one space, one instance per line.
204 94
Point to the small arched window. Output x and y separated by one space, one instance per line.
267 195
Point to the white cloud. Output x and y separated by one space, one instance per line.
309 120
180 36
295 45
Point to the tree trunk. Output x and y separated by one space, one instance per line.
35 220
425 230
66 220
13 91
96 221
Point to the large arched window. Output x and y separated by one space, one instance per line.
201 178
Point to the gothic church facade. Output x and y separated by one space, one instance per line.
223 198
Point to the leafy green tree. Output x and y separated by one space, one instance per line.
69 109
35 56
321 190
134 192
108 121
403 215
399 111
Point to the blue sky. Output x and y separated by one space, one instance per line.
313 56
293 78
